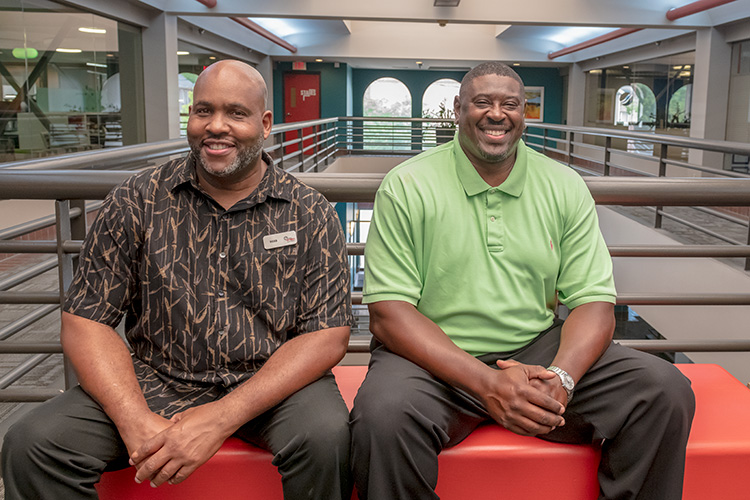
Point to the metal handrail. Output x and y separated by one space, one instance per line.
329 137
740 148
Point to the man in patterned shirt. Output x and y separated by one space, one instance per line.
234 283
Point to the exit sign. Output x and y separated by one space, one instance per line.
299 65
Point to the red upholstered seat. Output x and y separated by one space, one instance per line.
494 462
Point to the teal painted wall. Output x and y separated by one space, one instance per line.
335 99
417 82
342 88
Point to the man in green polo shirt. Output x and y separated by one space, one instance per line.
472 246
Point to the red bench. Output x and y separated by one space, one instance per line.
493 459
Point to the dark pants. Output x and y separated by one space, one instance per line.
639 405
60 449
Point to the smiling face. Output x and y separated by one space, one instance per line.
490 117
228 121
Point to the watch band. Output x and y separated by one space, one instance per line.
567 381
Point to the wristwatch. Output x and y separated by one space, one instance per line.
566 379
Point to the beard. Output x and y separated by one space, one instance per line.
245 158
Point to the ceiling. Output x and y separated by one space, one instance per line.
397 33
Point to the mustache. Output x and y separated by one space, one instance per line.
490 121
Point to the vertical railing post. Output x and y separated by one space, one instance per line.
316 142
279 139
571 138
544 141
747 259
662 173
65 269
607 154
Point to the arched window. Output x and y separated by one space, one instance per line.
437 102
635 107
678 112
387 97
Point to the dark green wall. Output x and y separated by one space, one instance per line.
334 98
342 88
416 81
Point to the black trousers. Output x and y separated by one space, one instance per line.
60 449
639 405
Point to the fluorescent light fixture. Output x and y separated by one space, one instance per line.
96 65
98 31
69 51
183 53
212 57
516 64
687 66
595 71
318 60
96 72
679 66
626 67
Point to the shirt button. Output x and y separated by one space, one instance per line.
492 219
222 255
492 191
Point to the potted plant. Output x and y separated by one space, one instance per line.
445 129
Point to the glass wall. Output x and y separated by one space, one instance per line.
738 115
192 60
71 81
650 95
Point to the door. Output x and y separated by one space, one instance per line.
301 103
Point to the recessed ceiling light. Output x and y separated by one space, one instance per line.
418 62
69 51
516 64
626 67
183 53
96 65
318 60
212 57
99 31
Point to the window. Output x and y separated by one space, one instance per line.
437 102
387 97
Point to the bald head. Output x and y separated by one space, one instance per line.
231 70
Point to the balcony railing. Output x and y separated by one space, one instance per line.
72 189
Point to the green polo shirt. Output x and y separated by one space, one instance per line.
486 264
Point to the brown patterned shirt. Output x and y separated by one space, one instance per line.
207 299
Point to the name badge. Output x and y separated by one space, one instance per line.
280 240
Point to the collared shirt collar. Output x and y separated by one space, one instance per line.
272 185
474 184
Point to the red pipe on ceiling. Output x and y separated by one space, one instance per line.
694 8
594 41
247 23
257 28
672 14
